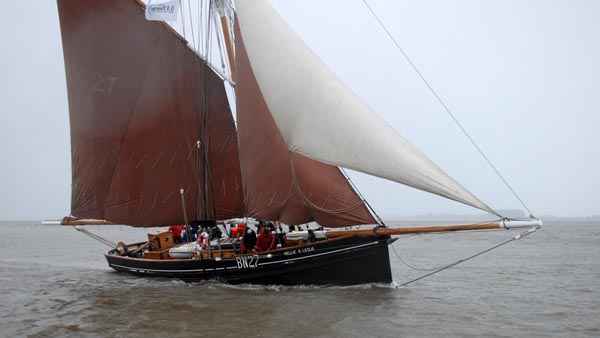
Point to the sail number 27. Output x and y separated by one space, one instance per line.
245 262
103 83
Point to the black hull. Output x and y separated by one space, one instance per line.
344 261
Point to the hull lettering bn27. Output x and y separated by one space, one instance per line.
245 262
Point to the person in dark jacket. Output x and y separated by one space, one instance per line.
249 242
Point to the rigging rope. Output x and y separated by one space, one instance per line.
446 108
379 220
191 23
410 266
434 271
96 237
200 28
474 225
182 19
208 178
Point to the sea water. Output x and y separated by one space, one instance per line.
54 282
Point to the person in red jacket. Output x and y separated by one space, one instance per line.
176 230
266 240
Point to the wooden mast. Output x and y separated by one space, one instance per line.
227 37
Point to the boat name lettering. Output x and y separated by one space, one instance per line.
247 262
303 250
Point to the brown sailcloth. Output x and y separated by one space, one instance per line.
280 184
139 100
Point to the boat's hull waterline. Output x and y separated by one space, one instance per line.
344 261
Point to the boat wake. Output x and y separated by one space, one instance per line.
282 288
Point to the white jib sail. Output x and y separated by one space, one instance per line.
307 100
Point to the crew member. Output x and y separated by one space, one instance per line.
266 240
176 231
249 242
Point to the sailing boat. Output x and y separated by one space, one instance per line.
154 143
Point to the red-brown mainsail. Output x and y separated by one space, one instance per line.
139 100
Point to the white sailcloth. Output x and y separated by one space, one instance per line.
321 118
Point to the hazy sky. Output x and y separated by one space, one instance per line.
523 77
